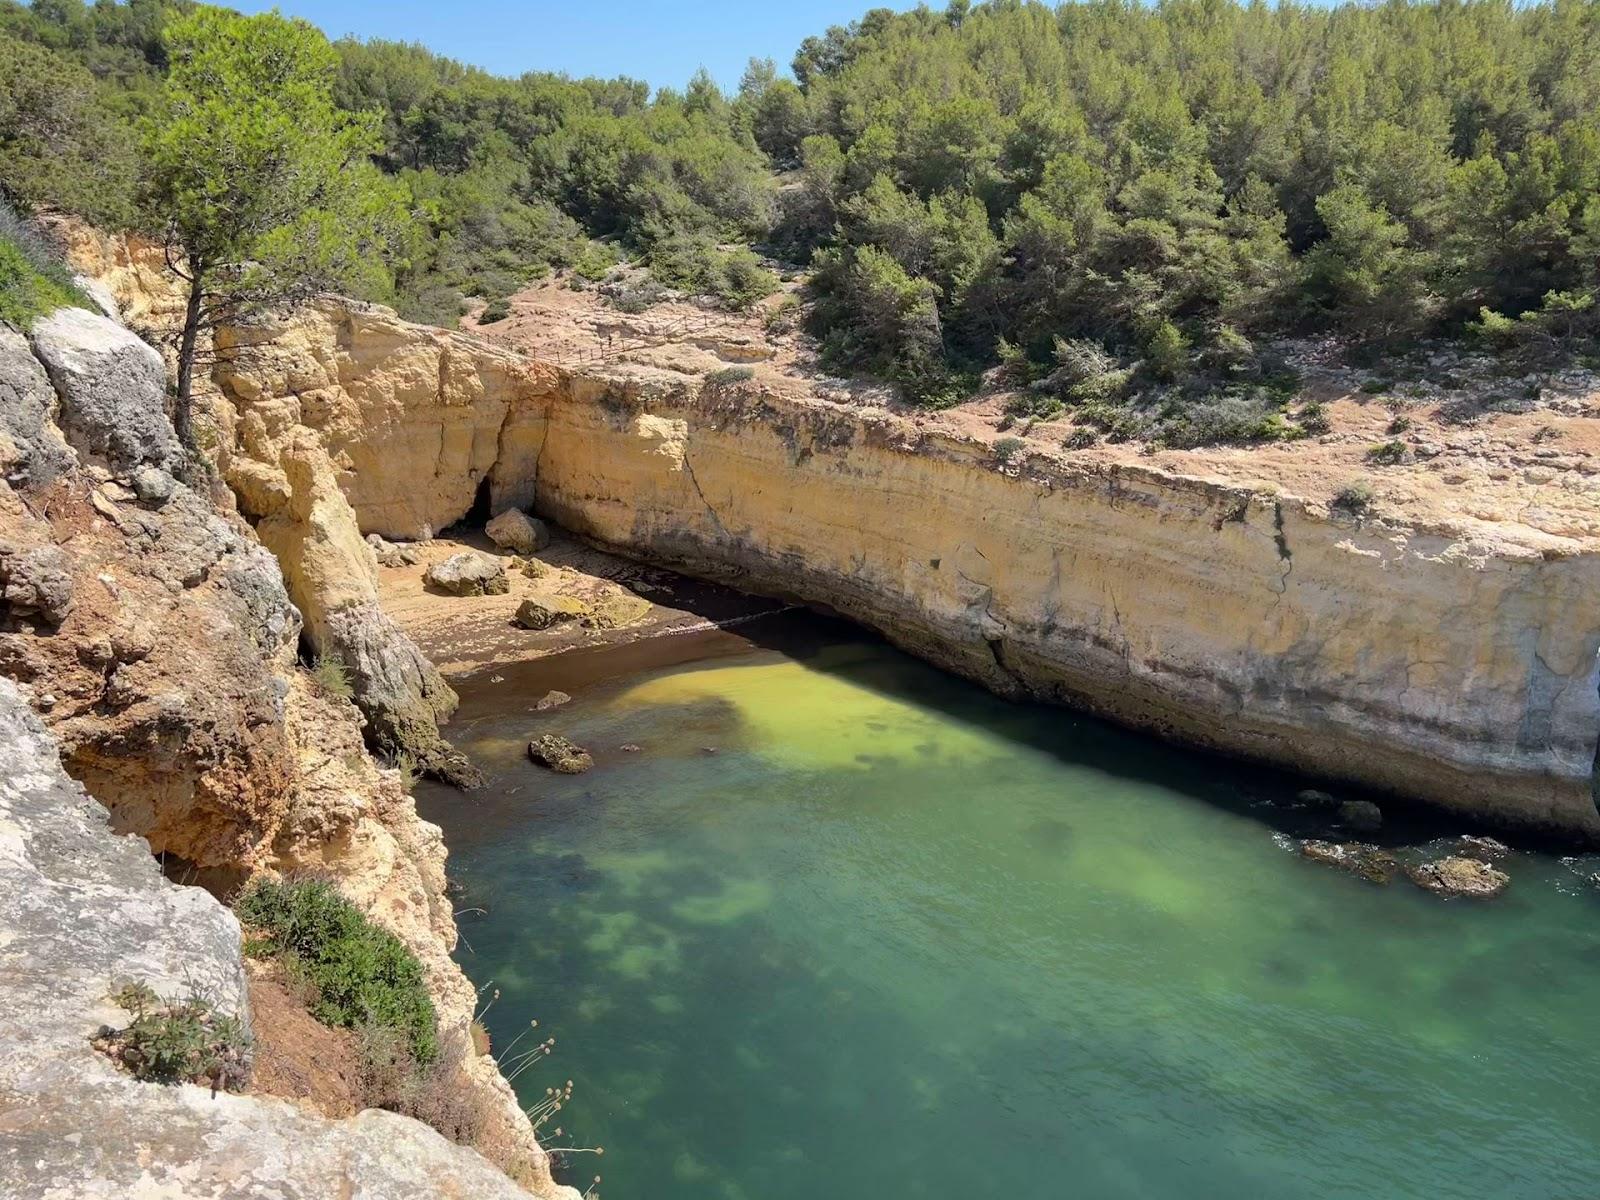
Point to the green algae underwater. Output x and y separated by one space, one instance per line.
843 925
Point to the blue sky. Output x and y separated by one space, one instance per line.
663 42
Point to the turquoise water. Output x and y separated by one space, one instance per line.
845 926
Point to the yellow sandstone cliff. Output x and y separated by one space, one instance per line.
1448 660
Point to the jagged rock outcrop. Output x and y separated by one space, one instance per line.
159 645
1449 662
84 910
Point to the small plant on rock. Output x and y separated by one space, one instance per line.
332 677
1355 497
728 376
1007 448
1386 454
177 1041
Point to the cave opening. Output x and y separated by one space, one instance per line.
480 512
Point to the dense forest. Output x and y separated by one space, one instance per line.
1107 199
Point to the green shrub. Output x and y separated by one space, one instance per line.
1386 454
1373 387
1354 497
1400 423
1007 448
495 310
31 284
1313 418
177 1041
332 677
360 974
1081 438
783 317
728 376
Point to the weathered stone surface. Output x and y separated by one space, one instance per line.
545 612
516 531
32 452
153 486
469 574
1369 862
390 555
552 699
37 581
560 755
84 910
112 388
1460 876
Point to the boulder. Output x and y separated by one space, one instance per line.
112 387
37 580
560 755
469 574
153 486
546 612
617 611
1363 816
32 453
1311 798
516 531
552 699
1358 858
1458 875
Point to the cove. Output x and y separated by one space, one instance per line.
843 925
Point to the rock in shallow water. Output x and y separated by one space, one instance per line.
1460 876
1369 862
560 755
469 574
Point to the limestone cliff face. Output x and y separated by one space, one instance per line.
1414 660
1435 662
158 643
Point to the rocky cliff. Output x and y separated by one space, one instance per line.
157 643
1446 659
85 910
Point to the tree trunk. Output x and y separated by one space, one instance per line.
183 407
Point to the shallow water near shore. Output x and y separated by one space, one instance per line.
843 925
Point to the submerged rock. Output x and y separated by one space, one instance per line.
560 755
552 699
1369 862
469 574
543 613
1488 848
1458 875
516 531
1312 798
1363 816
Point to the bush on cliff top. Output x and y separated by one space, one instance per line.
362 975
32 282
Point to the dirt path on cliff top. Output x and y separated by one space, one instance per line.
466 634
1495 456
